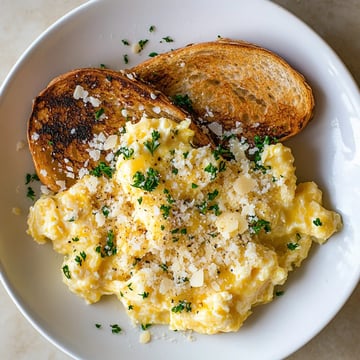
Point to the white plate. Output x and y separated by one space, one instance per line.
327 152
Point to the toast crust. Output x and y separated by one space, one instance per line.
70 115
234 85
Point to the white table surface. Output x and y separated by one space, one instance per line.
337 21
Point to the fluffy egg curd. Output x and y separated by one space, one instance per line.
190 237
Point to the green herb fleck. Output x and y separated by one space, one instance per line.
165 210
66 271
212 170
213 195
146 182
98 326
30 178
164 267
182 305
317 222
105 210
145 326
126 58
139 200
153 144
222 151
152 28
30 193
98 113
142 44
102 169
292 246
115 328
194 186
167 39
183 101
125 42
75 239
153 54
126 152
256 225
144 295
279 293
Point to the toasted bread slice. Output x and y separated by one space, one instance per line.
77 111
233 86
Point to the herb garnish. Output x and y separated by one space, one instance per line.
183 101
115 328
30 193
292 246
168 39
165 210
182 305
30 178
66 271
126 152
153 144
102 169
257 224
146 182
317 222
145 326
98 113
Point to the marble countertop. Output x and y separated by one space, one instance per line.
336 21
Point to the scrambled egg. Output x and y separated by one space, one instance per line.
190 237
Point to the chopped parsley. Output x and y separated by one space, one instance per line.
153 54
115 328
165 210
139 200
194 186
147 182
181 306
109 248
126 58
98 113
292 246
167 39
222 151
105 210
98 326
256 225
144 295
153 144
212 170
169 198
317 222
75 239
279 293
125 42
213 195
183 101
30 178
164 267
30 193
79 259
102 169
260 144
152 28
142 43
126 152
145 326
66 271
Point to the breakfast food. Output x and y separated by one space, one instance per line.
184 231
77 109
229 84
181 235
